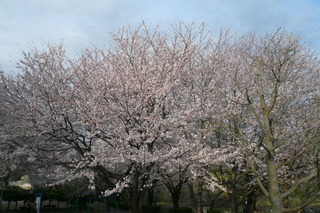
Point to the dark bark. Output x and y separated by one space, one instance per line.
133 200
195 197
251 201
233 202
175 191
135 194
175 200
151 197
134 207
8 206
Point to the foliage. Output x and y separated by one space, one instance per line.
59 195
16 195
151 209
215 211
123 205
180 210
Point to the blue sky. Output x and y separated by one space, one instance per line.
79 23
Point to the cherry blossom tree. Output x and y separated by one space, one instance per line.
12 137
230 173
146 109
112 115
272 113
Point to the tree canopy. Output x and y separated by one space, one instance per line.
161 105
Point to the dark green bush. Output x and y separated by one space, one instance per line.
215 211
123 205
113 203
151 209
16 194
181 210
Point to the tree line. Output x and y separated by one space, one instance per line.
226 112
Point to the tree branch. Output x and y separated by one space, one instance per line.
294 187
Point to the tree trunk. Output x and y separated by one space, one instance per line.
134 208
134 194
251 201
134 202
235 207
151 197
233 192
8 206
175 200
196 198
233 202
272 167
198 204
274 189
175 191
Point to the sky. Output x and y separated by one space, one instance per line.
25 24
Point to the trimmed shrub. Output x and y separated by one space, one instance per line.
123 205
181 210
151 209
15 195
215 211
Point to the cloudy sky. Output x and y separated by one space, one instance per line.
79 23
